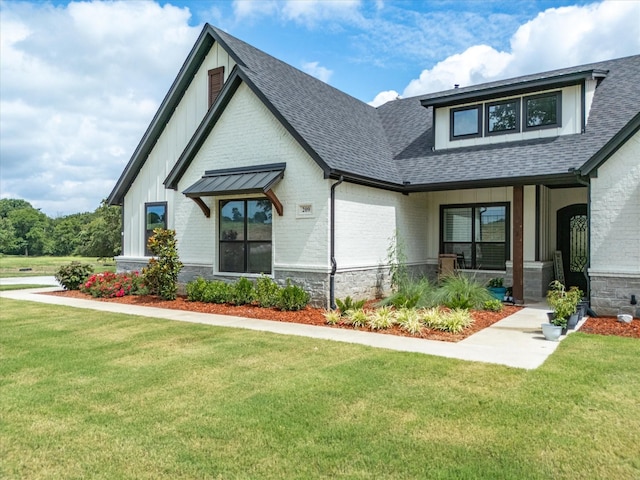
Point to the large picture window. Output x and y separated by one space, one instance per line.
245 236
155 216
503 117
466 122
542 111
478 234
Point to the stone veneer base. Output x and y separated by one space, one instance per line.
611 295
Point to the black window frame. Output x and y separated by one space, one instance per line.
471 263
149 232
518 115
245 237
453 111
525 111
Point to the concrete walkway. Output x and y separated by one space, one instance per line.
515 341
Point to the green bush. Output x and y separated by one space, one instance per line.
349 304
332 317
432 317
411 294
409 320
161 274
196 289
494 305
456 321
381 318
357 317
243 292
293 297
218 291
73 275
267 292
460 291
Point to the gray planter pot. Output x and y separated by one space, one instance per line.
551 331
573 321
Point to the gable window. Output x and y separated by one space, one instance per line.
155 216
478 234
216 80
502 117
542 111
466 122
245 236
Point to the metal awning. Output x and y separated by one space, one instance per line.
232 181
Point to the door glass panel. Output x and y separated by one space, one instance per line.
578 246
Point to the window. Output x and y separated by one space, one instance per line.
155 216
542 111
478 234
466 122
216 80
502 117
245 236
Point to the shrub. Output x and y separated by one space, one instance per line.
73 275
267 292
196 289
409 320
292 297
161 274
349 304
243 292
217 291
109 284
357 317
432 317
456 320
494 305
411 294
332 317
460 291
381 318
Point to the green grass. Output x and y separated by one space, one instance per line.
4 288
11 265
96 395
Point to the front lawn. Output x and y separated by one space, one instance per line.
21 266
101 395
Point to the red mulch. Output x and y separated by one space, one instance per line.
611 326
314 316
308 316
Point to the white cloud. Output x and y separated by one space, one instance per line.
79 86
309 12
250 8
384 97
315 70
555 38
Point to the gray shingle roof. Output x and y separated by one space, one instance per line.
393 144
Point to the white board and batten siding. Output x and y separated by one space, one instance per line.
148 186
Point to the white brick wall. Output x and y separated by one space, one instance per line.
615 212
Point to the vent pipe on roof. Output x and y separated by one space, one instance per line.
456 85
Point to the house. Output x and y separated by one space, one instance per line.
261 168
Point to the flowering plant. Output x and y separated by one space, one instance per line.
109 284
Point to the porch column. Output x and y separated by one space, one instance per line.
518 244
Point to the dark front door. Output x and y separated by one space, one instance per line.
573 242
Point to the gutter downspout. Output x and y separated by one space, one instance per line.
334 265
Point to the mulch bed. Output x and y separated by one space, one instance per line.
314 316
611 326
308 316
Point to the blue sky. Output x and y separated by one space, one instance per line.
80 81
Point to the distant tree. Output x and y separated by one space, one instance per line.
9 204
101 236
8 240
67 232
33 231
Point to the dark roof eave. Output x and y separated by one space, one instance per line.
169 103
451 97
568 179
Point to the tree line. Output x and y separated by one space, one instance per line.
25 230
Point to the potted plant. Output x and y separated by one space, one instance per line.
564 304
496 288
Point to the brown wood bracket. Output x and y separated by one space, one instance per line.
276 203
202 205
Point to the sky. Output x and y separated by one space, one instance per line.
81 81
